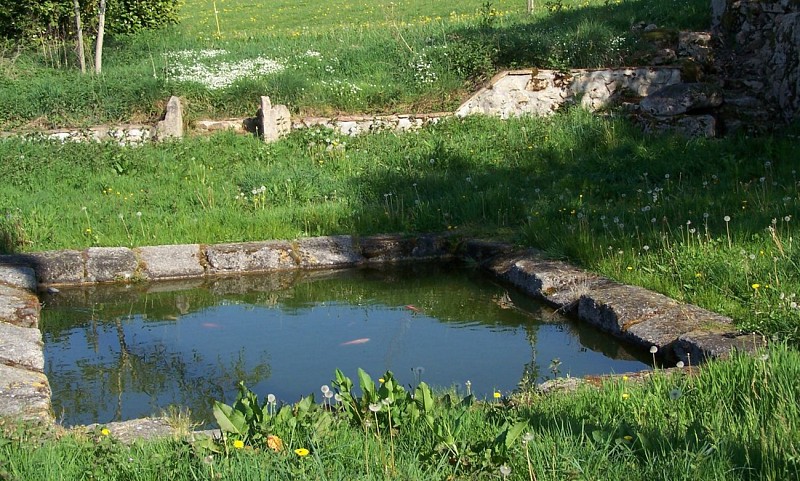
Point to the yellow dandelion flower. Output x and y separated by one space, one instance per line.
238 444
497 395
756 286
105 432
301 452
625 395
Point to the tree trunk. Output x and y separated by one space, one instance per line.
81 55
101 25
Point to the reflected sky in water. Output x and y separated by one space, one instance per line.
121 353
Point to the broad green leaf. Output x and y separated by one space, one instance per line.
367 385
229 420
514 432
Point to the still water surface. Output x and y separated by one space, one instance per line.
118 353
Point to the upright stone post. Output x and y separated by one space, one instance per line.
272 123
172 125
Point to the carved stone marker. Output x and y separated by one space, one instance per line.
272 122
172 125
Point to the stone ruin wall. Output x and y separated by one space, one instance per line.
753 54
758 54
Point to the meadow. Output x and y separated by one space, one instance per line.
706 221
407 56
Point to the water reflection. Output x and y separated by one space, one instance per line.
117 352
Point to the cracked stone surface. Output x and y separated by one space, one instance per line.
19 307
333 251
51 267
23 277
171 261
24 394
250 257
110 264
21 346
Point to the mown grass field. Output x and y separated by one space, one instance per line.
711 222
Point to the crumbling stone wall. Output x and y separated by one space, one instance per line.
758 54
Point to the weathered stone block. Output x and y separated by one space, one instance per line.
51 267
19 307
24 394
273 122
386 248
703 344
18 276
433 247
21 346
172 125
616 308
332 251
110 264
171 261
250 257
696 45
553 281
681 98
664 328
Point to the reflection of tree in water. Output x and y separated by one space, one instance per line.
145 379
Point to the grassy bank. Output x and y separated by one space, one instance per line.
709 222
344 56
718 423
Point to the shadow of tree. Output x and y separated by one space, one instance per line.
567 37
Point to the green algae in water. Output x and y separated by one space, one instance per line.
122 352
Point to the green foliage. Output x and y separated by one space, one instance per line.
252 423
389 405
30 20
132 16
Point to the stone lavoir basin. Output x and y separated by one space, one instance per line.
637 318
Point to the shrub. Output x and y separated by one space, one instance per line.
28 19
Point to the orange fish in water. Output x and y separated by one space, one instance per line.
413 308
355 342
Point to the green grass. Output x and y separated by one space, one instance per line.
733 420
409 56
645 210
579 187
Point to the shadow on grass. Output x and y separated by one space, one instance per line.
568 37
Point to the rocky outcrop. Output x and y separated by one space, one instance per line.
758 57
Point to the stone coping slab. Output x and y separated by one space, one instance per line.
24 394
633 314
